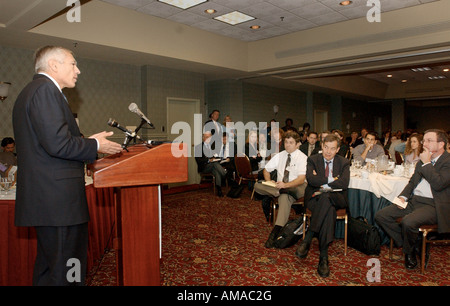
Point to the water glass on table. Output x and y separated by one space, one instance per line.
5 184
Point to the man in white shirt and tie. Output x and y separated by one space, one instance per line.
290 186
427 198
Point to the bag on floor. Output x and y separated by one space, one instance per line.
235 192
290 234
363 236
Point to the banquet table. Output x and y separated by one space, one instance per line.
18 244
366 196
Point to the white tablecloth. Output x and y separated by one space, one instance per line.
11 195
385 186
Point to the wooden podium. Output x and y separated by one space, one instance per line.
136 176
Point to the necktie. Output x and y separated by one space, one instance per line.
433 162
327 169
223 152
286 172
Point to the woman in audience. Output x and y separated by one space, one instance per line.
231 131
386 139
344 148
251 149
413 148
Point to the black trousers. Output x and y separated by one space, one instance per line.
323 219
419 211
61 258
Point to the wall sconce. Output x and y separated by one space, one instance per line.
275 109
4 90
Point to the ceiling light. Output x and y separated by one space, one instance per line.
446 70
255 27
437 77
345 3
234 18
389 75
421 69
183 4
404 81
210 11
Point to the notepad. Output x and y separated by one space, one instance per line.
269 183
399 202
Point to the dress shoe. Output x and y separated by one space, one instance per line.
410 261
302 250
323 268
270 243
219 191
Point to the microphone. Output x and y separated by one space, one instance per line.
134 109
114 123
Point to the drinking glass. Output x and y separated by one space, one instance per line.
5 183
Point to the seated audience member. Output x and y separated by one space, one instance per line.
8 145
325 172
251 149
400 147
228 151
426 199
230 130
289 126
368 150
386 139
276 143
290 165
353 143
343 149
7 157
207 161
413 148
311 144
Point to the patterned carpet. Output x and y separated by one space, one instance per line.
210 241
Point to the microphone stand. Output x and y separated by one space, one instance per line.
128 137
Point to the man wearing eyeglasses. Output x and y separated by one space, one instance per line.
427 199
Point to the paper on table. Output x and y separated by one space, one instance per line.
399 202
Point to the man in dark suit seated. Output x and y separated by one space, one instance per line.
207 158
51 193
228 151
311 145
326 173
425 200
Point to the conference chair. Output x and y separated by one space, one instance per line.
341 214
244 171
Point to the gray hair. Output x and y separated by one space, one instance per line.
44 54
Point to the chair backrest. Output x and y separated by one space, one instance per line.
398 158
243 167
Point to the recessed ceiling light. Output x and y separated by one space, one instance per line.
420 69
389 75
234 18
255 27
345 3
446 70
210 11
437 77
183 4
404 81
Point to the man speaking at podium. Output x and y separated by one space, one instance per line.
51 153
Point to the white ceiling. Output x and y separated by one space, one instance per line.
276 17
17 17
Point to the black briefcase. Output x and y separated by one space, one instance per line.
363 236
290 234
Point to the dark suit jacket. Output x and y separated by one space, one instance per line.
304 148
439 178
202 156
50 158
341 170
